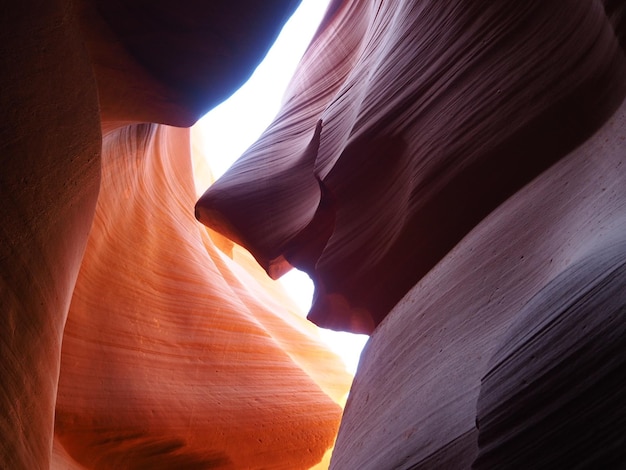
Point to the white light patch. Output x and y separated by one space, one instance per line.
347 345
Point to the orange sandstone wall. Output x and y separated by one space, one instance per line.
174 355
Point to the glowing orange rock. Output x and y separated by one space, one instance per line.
183 361
173 354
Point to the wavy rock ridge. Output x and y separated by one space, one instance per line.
470 187
411 121
451 175
173 353
203 366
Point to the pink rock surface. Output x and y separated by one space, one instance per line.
471 186
463 329
433 115
167 62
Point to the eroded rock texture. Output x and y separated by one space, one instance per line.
174 354
421 102
49 176
450 173
184 360
452 176
464 311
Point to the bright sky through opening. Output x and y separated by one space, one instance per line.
230 128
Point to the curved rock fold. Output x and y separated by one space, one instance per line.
419 143
451 174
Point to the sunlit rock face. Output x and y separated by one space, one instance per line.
174 356
177 351
452 176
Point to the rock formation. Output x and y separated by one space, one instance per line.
50 134
204 366
450 173
452 176
175 354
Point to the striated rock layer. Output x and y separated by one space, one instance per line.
496 352
422 105
49 176
452 176
176 354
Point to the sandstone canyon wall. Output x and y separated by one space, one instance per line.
184 360
174 353
450 173
49 181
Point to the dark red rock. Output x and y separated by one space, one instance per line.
434 114
471 159
201 50
49 177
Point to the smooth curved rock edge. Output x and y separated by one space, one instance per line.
561 371
205 366
419 142
485 134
